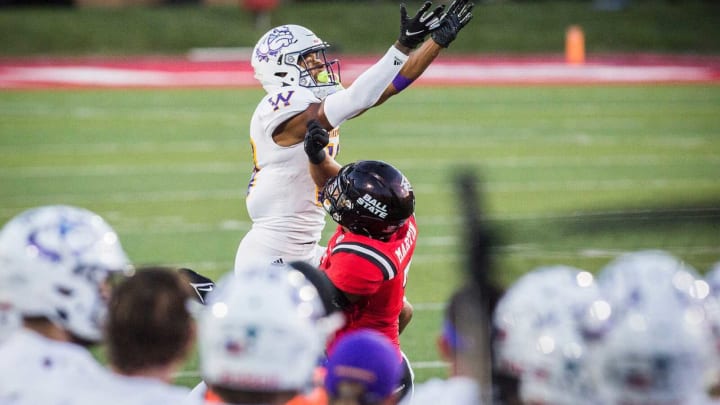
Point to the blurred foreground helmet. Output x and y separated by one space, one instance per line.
277 56
538 336
263 329
632 273
713 278
656 348
56 261
10 319
713 310
370 198
546 295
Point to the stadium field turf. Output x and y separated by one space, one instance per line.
569 174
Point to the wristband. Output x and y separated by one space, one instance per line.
401 82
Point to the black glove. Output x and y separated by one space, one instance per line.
414 30
316 139
457 16
201 284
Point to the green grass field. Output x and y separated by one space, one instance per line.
571 175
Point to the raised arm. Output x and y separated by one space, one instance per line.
458 15
370 85
340 106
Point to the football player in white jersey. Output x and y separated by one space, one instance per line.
302 85
58 260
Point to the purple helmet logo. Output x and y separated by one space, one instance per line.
45 241
276 40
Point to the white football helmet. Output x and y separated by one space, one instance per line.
263 329
55 261
656 348
276 60
623 278
10 319
539 300
713 279
558 371
712 307
554 369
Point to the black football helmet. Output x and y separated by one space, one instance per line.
370 198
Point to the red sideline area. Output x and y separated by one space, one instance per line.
160 72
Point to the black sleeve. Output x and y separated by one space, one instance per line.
333 298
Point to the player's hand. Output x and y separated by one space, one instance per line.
414 30
457 16
316 139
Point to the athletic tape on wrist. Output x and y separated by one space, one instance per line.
401 82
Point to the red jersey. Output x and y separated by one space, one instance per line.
376 270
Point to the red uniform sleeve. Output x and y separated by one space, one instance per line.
353 274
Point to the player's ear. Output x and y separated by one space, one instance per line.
444 349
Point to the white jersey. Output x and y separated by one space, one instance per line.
36 370
282 199
150 391
455 390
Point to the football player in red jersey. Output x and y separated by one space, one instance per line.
368 256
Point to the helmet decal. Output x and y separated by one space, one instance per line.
405 184
233 347
75 235
373 206
38 247
277 57
278 38
57 259
369 197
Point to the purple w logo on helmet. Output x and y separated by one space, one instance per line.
276 40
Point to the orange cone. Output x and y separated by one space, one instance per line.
574 45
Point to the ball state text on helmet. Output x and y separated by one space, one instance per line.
374 206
